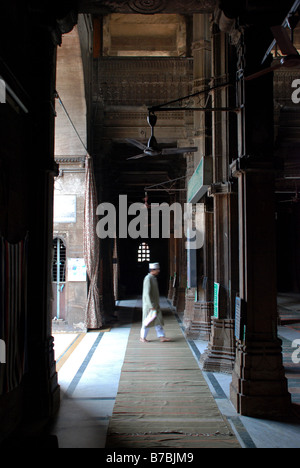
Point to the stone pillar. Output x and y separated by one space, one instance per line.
27 152
116 271
189 311
41 388
259 387
174 261
221 350
107 281
181 279
202 77
207 306
197 320
181 269
172 258
199 315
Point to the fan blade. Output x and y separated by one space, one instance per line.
136 143
139 156
170 151
263 72
283 40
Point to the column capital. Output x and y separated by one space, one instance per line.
203 44
222 188
246 164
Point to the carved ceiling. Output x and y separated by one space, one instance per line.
146 6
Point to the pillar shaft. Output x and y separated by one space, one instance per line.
259 386
198 308
221 349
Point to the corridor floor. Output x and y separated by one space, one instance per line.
91 379
163 399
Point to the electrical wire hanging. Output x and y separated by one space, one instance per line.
57 96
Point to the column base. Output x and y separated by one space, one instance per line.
174 296
11 412
170 289
220 355
180 300
259 387
189 308
200 325
41 388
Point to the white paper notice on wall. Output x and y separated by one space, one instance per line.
65 209
76 269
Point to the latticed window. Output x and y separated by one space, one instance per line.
144 253
59 261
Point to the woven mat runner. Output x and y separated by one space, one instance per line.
163 399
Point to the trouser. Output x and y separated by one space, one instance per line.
159 331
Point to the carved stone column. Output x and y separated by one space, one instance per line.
206 307
107 281
202 77
259 387
41 389
181 268
189 311
199 325
221 350
116 271
172 259
197 320
220 355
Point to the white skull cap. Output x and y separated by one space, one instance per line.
154 266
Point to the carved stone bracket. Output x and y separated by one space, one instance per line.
61 18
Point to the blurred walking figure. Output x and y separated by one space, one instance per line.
152 314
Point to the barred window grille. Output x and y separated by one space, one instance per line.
59 256
144 253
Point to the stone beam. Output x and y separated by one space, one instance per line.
186 7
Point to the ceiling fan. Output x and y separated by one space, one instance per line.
295 199
291 55
152 149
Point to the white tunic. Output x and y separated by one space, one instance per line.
151 300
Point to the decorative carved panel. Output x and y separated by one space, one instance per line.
140 82
147 7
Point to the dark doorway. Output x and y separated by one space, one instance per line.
288 245
133 271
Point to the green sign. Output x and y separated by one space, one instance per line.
216 300
238 317
200 180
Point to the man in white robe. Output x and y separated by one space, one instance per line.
151 306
